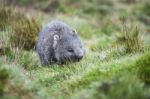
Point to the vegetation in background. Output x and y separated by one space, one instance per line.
5 14
129 1
25 32
131 39
24 29
143 13
101 7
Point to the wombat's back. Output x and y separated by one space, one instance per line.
54 26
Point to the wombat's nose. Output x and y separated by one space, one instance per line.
79 57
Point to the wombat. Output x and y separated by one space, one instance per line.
59 43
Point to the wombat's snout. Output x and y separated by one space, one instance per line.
79 56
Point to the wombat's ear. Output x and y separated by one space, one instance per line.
74 33
55 38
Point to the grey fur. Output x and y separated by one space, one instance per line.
59 43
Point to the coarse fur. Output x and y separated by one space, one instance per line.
59 43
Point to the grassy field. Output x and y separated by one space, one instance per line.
116 35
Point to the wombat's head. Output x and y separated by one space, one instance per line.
68 48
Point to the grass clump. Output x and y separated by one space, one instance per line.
5 14
8 16
7 51
25 32
144 67
124 87
13 84
131 39
4 76
5 48
28 60
23 29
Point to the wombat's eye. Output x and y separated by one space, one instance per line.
70 50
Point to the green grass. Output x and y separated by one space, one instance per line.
144 67
116 64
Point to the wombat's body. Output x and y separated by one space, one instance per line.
59 43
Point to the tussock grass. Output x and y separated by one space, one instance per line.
144 67
107 89
4 76
23 29
25 32
131 39
5 14
10 85
28 60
